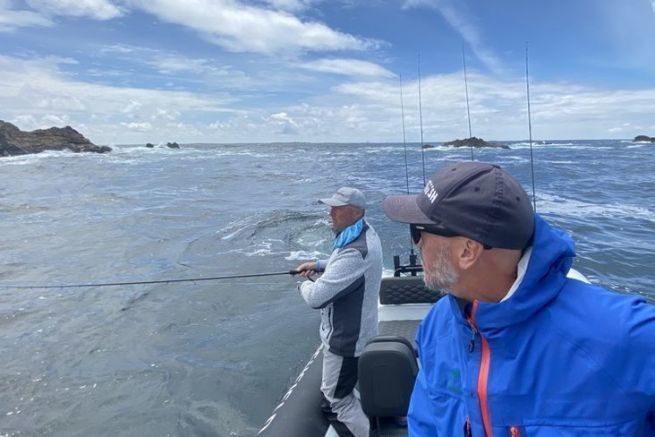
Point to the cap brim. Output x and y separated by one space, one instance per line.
332 202
404 209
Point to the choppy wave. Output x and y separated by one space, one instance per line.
571 207
193 357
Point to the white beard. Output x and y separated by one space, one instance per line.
440 275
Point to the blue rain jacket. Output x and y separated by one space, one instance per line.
560 357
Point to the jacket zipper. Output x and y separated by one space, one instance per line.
467 428
483 375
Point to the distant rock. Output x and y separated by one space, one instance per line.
173 145
150 145
14 141
427 146
475 142
644 138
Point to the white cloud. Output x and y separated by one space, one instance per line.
291 5
284 124
36 94
348 67
12 19
35 91
202 72
142 127
453 12
498 108
26 121
55 120
96 9
243 28
131 107
165 114
178 64
118 48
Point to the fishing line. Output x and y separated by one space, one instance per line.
468 112
527 87
161 281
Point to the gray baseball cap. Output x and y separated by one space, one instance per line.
346 196
472 199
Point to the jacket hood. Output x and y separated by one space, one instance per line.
552 255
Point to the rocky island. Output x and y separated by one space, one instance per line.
475 142
644 139
170 145
14 141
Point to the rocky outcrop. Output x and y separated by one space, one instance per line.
173 145
150 145
475 142
14 141
644 138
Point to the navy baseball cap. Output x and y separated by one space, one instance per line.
476 200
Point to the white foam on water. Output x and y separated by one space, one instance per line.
303 255
558 162
232 234
442 149
557 146
264 248
235 227
48 154
387 272
312 243
575 208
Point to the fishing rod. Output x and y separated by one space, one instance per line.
468 112
420 115
527 87
161 281
402 112
412 267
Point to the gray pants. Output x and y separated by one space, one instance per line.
339 379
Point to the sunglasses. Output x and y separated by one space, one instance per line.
415 231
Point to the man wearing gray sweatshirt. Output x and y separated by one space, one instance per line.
347 295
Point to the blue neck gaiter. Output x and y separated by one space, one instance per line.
349 234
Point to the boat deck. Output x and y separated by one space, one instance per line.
404 302
402 328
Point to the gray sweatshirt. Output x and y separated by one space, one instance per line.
347 294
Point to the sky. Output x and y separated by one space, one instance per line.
244 71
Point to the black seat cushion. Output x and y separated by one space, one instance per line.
387 370
407 289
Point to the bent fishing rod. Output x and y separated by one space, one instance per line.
161 281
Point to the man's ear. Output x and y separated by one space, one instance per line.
467 252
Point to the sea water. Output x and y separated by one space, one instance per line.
214 358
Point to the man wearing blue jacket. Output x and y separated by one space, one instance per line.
521 345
